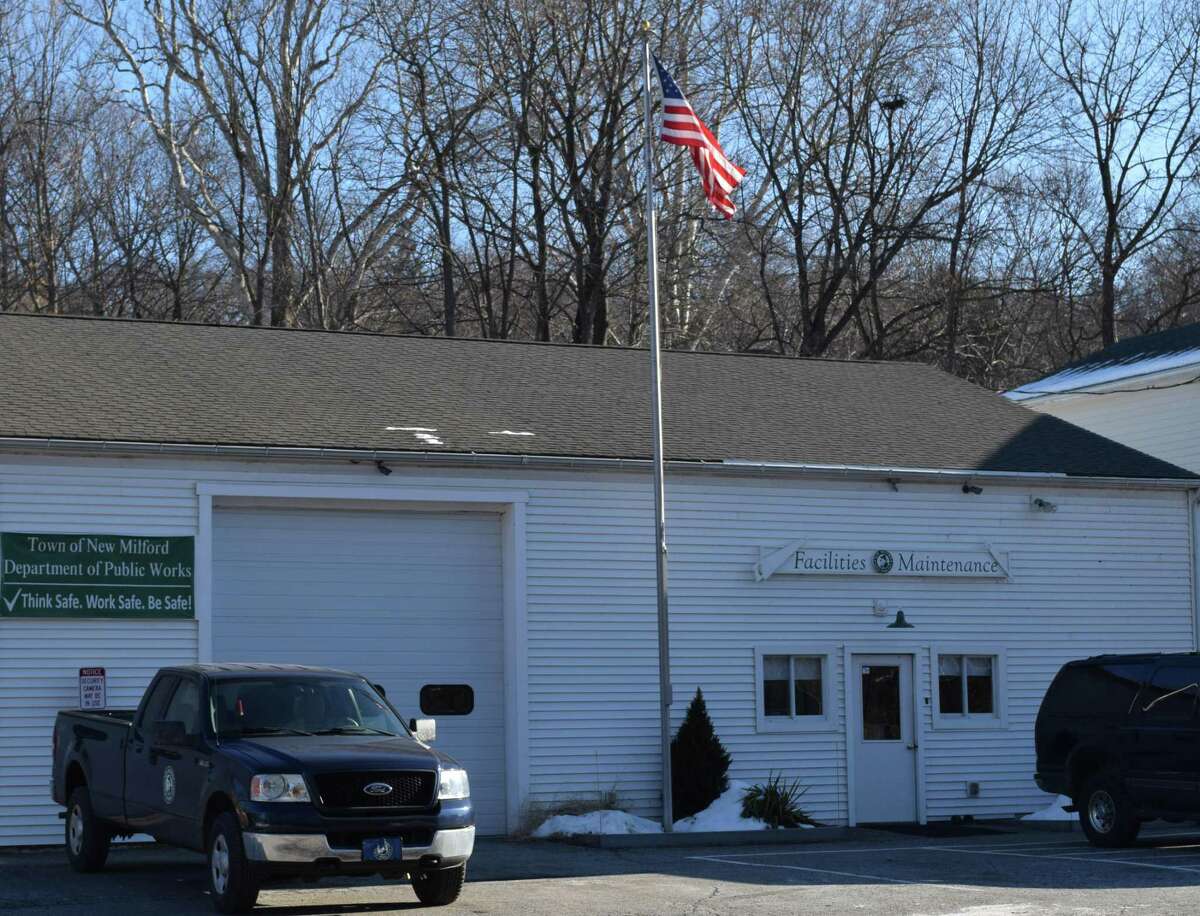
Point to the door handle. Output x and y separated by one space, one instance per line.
913 746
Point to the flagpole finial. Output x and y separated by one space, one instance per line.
646 27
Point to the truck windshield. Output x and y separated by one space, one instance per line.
299 706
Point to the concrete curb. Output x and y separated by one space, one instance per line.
714 838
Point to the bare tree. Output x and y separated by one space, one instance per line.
281 84
1130 78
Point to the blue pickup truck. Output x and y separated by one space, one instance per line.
275 772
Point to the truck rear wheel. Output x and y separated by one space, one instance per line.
442 887
1106 813
231 879
87 837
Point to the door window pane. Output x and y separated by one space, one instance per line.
185 707
979 683
447 699
775 685
881 703
807 671
950 691
154 705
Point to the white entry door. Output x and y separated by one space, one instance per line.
885 747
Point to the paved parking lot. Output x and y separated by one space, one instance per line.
1006 872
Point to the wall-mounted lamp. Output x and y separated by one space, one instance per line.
972 489
1037 504
900 623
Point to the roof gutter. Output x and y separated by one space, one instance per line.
733 467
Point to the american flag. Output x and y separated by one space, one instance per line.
680 126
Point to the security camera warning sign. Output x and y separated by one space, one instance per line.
93 688
96 575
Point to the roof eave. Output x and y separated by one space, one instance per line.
1110 386
731 466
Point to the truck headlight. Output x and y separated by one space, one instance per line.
282 787
454 784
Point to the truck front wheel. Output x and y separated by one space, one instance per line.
231 878
1106 813
439 888
87 838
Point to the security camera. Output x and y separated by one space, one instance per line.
1042 505
972 489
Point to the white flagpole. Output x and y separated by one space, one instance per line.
660 512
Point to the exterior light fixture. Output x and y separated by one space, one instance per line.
900 623
1037 504
383 468
972 489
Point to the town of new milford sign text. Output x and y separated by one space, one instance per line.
96 575
802 559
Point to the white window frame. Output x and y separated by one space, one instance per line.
968 721
827 721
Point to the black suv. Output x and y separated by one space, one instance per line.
1118 734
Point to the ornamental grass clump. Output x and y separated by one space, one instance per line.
776 803
699 762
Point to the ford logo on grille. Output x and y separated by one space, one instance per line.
378 788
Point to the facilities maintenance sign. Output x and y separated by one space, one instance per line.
96 575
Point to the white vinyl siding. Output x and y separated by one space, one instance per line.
1160 423
40 658
1108 572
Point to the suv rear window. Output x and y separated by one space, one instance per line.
1090 690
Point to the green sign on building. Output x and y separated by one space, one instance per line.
96 575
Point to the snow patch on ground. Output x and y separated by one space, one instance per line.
595 822
723 814
1053 811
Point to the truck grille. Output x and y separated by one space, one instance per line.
408 789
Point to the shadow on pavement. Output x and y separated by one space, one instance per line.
159 880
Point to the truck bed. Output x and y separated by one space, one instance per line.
104 715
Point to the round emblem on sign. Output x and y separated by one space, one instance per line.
383 850
169 784
882 561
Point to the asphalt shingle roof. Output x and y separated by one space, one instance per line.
106 380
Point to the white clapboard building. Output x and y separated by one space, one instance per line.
464 512
1142 391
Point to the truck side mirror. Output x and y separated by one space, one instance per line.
169 734
423 729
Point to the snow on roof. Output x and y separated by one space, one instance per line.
1136 357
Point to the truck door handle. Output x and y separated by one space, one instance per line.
206 764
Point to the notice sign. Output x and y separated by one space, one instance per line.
93 692
96 575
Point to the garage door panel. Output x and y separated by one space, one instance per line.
404 598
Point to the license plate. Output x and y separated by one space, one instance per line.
383 849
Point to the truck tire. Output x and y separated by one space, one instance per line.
231 879
442 887
86 836
1106 812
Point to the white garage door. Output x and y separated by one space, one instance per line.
404 598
